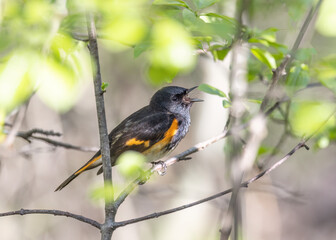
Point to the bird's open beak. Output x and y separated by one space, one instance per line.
192 100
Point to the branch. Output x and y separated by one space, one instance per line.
280 71
160 167
53 212
110 211
212 197
29 135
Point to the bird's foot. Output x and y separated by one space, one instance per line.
163 169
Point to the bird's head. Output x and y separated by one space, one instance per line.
173 99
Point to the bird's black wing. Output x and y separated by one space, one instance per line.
143 131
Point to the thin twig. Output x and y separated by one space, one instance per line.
110 211
244 184
53 212
280 71
17 124
66 145
30 135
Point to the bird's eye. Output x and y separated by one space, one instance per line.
174 98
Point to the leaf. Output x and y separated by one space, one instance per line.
226 103
131 163
257 101
190 18
200 4
211 90
325 71
178 3
325 23
140 48
298 78
104 86
263 149
308 117
158 75
264 57
269 34
103 192
172 46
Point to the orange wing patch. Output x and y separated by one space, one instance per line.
87 165
134 141
157 147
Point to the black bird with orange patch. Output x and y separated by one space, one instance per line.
153 130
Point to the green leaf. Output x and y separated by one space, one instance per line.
140 48
226 103
158 75
264 150
104 192
325 71
298 78
104 86
211 90
257 101
200 4
178 3
190 18
325 23
172 46
269 34
264 57
308 117
131 163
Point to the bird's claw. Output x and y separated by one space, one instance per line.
163 169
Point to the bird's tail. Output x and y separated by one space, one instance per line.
95 161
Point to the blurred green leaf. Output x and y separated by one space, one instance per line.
226 103
305 54
140 48
159 75
178 3
298 78
263 149
16 82
131 163
211 90
264 57
200 4
257 101
189 18
104 192
104 86
127 30
326 19
172 46
325 71
308 117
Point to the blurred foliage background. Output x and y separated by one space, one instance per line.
45 72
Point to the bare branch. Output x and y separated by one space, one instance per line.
55 213
110 211
30 135
244 184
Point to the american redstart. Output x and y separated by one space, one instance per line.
154 130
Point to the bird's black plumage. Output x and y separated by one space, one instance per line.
154 130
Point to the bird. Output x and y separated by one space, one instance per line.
154 130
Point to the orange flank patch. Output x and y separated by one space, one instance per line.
157 147
134 141
87 165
